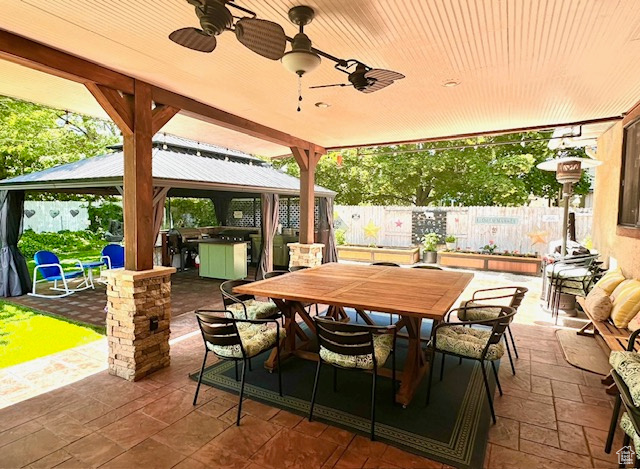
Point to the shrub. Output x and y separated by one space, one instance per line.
59 243
450 239
341 237
101 215
189 213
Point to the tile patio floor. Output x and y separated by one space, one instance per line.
551 416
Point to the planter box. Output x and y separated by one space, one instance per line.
375 254
513 264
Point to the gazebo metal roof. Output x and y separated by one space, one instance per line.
190 169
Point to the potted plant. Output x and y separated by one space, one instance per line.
489 248
450 241
429 246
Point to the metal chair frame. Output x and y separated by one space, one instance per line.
351 340
623 397
84 285
223 331
556 281
516 300
498 328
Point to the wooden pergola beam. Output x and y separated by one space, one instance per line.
162 114
38 56
23 51
198 110
115 105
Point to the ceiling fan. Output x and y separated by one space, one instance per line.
263 37
269 40
364 78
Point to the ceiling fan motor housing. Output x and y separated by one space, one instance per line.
358 79
215 17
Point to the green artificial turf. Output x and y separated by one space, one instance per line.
26 334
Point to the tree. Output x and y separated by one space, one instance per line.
485 171
34 137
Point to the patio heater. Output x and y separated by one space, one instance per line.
568 171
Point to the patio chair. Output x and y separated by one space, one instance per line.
113 256
275 273
246 306
571 277
452 338
48 264
427 267
354 347
238 340
515 295
626 375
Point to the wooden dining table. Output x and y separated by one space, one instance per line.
413 294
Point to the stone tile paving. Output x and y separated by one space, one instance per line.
551 416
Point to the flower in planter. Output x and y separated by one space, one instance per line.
490 248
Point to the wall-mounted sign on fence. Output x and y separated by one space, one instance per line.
497 220
551 218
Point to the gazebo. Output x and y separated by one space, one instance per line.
181 168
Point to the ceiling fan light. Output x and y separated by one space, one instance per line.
300 61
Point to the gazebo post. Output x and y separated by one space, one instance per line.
306 252
138 297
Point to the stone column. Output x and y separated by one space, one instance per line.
309 255
138 317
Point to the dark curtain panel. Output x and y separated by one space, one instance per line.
221 204
326 235
14 275
270 208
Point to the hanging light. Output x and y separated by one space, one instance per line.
300 59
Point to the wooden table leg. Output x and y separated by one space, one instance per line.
289 346
415 366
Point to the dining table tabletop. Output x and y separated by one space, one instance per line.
412 294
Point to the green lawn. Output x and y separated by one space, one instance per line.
26 334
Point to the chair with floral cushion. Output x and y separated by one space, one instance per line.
626 375
483 345
513 296
354 347
246 306
235 339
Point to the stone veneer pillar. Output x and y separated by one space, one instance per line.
309 255
138 317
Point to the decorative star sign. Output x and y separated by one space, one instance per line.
371 230
538 237
398 223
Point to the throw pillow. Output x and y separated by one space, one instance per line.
599 304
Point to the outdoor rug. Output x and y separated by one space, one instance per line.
583 352
453 429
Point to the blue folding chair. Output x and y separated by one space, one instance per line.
48 264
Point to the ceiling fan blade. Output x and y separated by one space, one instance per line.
383 75
194 38
376 86
329 86
263 37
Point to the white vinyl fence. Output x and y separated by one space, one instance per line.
526 229
54 216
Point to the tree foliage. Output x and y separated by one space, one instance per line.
486 171
34 137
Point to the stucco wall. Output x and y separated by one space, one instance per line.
620 250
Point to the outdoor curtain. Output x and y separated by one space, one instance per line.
270 209
14 275
221 204
159 197
326 233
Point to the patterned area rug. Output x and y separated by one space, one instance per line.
452 429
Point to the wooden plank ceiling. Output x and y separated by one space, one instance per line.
519 63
